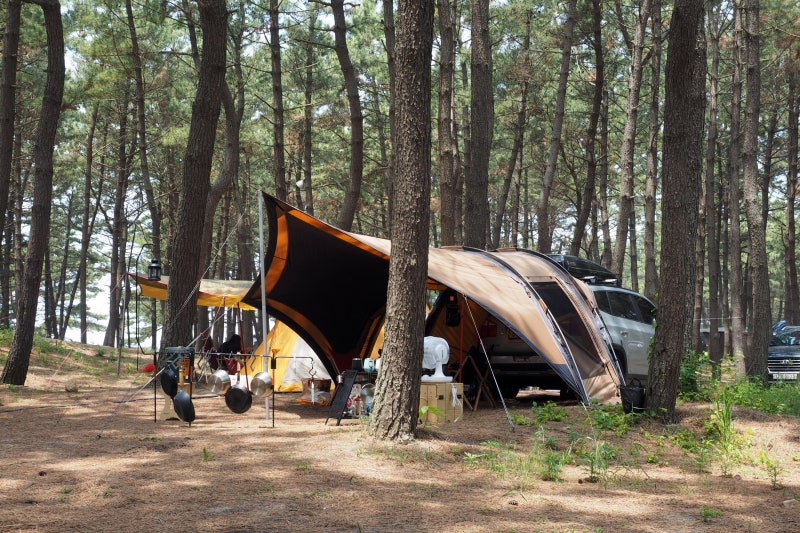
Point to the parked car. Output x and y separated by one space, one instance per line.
783 354
630 320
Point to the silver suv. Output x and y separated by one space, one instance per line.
630 320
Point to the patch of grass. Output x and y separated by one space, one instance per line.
709 513
549 412
772 466
302 466
780 398
206 456
610 418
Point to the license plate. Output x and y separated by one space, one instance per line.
785 376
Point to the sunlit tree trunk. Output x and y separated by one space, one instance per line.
519 133
119 226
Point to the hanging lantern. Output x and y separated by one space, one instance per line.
154 270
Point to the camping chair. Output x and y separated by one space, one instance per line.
481 383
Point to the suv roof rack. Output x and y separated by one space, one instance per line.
585 270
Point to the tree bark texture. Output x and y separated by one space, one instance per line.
446 124
589 205
629 140
712 256
651 178
759 328
278 149
396 407
792 313
683 132
737 310
141 130
476 208
184 254
16 369
8 91
544 231
353 192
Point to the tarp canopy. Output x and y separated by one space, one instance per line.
211 293
330 287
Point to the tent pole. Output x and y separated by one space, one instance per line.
489 363
264 317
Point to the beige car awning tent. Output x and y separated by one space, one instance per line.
330 287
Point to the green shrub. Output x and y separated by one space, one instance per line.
693 366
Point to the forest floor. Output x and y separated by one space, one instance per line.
99 458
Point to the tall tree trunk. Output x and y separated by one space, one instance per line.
87 224
589 205
353 193
308 118
60 294
16 368
683 132
736 289
545 233
184 254
396 407
516 148
389 32
476 225
8 91
141 130
759 328
446 124
712 257
233 104
651 180
792 314
605 255
629 139
119 227
278 149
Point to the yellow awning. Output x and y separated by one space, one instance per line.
213 292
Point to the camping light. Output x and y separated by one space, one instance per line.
154 270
